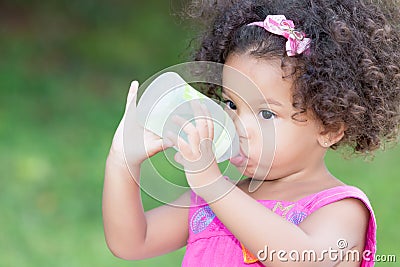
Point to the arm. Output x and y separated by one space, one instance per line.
346 219
256 226
130 232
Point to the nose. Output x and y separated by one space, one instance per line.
245 126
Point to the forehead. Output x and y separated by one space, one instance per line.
256 80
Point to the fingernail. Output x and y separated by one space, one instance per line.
132 90
134 84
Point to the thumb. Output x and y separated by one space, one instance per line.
132 94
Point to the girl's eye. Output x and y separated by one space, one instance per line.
267 115
230 104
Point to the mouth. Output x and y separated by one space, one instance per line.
239 160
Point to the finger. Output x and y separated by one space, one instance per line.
154 147
132 94
200 118
210 123
179 143
154 143
190 130
167 143
206 148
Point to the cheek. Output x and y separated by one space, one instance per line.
284 138
292 139
262 145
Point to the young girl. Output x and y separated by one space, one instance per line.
328 71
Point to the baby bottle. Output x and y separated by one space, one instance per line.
169 95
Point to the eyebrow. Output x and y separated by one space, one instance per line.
270 101
273 102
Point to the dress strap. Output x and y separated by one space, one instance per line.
334 194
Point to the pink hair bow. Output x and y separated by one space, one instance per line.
297 42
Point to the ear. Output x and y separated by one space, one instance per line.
328 138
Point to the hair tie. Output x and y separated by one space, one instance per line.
297 42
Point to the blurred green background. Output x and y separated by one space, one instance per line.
65 69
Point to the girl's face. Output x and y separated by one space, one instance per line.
273 144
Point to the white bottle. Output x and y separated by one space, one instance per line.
170 95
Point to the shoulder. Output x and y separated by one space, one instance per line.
346 203
346 213
336 194
349 211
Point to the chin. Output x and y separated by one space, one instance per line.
256 171
262 174
246 171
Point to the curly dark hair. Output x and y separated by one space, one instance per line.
351 78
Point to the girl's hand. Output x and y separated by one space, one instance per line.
197 155
139 143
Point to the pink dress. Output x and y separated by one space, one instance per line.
210 243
